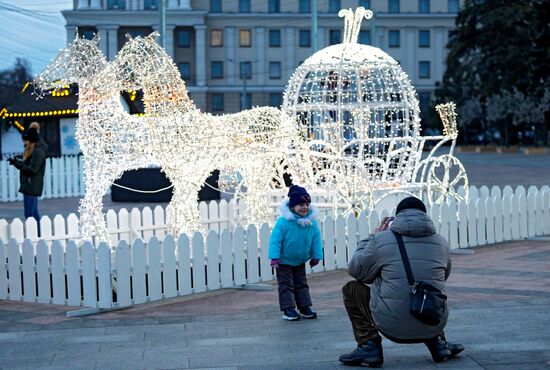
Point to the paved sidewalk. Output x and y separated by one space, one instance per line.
500 310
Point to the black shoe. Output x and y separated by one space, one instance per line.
441 350
370 354
308 313
291 315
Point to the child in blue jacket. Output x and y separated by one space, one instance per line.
295 239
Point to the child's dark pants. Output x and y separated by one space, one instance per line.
293 288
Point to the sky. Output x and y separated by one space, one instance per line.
32 29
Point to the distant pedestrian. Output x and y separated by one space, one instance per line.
31 173
295 239
40 143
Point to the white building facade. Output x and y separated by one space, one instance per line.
217 43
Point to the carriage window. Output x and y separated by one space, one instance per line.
184 39
364 37
216 38
424 69
335 37
274 70
274 38
424 38
275 99
305 38
305 6
216 70
394 39
245 38
185 71
116 4
217 102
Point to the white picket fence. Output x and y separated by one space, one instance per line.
62 178
155 268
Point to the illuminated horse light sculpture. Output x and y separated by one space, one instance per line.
111 140
188 143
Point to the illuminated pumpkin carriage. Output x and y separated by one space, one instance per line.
359 116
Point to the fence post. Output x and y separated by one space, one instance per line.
104 277
352 236
169 278
328 236
153 249
212 263
199 281
506 216
58 272
14 269
43 272
463 223
266 272
123 268
227 259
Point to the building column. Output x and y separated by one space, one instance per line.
288 64
108 41
260 42
71 33
321 38
230 42
439 53
409 63
200 54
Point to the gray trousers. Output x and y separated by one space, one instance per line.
293 288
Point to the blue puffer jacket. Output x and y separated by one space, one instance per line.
295 239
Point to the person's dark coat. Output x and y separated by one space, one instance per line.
31 171
377 261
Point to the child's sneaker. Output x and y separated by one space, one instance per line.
308 313
291 315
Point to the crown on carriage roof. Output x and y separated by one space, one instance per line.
352 22
447 113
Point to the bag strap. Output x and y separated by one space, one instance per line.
404 258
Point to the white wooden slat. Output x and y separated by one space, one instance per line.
160 220
75 169
3 271
46 231
184 265
363 226
481 221
29 279
213 215
474 192
123 267
203 211
43 273
88 275
154 269
124 224
506 216
539 226
266 272
14 268
495 191
104 276
328 245
226 246
31 229
453 223
47 191
374 221
4 230
463 224
546 209
59 229
14 184
472 222
169 267
73 225
223 212
351 225
212 263
484 192
58 273
135 224
111 219
435 216
139 267
490 219
73 274
531 214
515 216
341 243
239 246
497 210
197 248
253 271
17 230
508 191
4 181
444 221
147 223
522 215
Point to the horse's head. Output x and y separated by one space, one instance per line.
80 61
140 64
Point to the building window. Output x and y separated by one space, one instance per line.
274 70
246 101
245 70
274 6
216 70
116 4
423 6
305 38
150 5
424 101
275 38
305 6
335 37
87 32
393 39
185 71
244 6
334 6
275 99
215 6
424 38
364 37
184 39
393 6
453 6
217 102
423 69
216 38
364 3
245 38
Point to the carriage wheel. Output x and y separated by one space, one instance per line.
445 177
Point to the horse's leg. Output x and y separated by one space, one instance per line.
183 214
257 198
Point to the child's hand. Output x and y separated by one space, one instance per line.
275 263
313 262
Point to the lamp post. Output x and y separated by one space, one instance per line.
162 22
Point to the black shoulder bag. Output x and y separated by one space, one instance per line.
428 304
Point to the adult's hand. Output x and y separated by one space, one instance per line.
384 224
